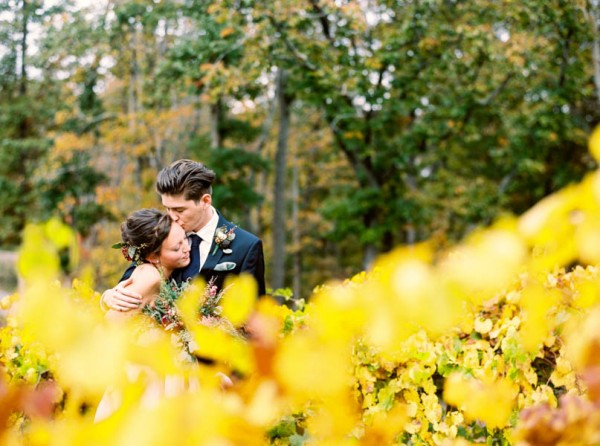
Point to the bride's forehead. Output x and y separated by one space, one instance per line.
176 230
176 234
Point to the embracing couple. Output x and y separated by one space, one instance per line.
190 238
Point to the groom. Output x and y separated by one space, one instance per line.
219 248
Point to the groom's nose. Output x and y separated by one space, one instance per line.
173 215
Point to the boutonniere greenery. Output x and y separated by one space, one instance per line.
130 252
223 239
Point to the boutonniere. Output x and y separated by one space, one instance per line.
223 239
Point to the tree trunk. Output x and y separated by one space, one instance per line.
259 179
24 122
132 102
132 90
278 269
23 74
216 115
594 18
296 235
370 250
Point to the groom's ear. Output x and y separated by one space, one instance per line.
206 199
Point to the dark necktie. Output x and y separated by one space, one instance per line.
193 268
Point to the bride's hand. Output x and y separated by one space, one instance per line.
120 298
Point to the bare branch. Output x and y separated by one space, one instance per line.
322 16
494 94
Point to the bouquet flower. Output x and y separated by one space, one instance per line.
164 312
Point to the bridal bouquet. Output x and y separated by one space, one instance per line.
164 311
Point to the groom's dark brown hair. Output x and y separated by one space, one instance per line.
187 177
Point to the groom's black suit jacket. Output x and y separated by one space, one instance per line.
246 257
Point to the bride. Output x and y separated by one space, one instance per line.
157 246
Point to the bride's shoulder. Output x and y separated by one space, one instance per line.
147 274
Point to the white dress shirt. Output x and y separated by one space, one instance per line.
207 233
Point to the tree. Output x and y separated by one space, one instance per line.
425 98
26 110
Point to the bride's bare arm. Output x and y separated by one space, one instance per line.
145 282
121 298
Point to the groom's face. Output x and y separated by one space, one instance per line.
189 214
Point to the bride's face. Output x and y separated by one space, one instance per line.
175 250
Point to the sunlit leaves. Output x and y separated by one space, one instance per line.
490 402
38 258
310 368
594 143
239 302
440 346
486 263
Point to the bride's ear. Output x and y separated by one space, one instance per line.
153 258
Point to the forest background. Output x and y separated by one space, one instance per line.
337 129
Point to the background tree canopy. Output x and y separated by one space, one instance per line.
338 129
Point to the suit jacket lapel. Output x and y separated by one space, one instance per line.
212 260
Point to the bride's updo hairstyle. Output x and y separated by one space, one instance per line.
143 232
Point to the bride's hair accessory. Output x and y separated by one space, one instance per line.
130 252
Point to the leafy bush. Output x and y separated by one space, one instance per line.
489 343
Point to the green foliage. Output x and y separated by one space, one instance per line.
410 118
70 189
429 96
234 190
18 197
289 431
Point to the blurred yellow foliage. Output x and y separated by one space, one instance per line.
491 402
239 303
495 323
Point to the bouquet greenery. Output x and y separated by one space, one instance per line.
165 313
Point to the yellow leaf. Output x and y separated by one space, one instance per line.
94 362
583 340
486 264
36 258
67 324
212 342
226 32
58 233
337 313
333 420
189 302
587 239
383 426
490 402
483 326
309 367
265 406
536 301
239 298
594 143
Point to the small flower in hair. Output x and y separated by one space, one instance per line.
223 239
131 253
